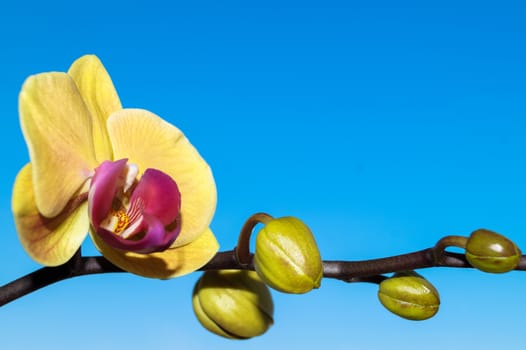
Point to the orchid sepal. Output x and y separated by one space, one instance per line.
48 241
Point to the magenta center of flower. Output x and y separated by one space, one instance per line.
135 214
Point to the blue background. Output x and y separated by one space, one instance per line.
384 127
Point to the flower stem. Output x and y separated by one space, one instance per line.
242 249
448 241
45 276
347 271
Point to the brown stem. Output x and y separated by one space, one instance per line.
448 241
347 271
242 250
76 266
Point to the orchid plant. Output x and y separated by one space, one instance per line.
146 197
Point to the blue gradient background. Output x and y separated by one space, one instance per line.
384 127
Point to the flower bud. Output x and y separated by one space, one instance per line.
233 304
287 257
489 251
410 296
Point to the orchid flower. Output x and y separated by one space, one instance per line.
130 179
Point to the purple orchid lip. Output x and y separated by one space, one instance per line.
138 216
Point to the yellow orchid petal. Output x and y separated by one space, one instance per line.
97 90
150 142
170 263
48 241
57 128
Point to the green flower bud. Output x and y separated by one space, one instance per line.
489 251
410 296
287 257
233 304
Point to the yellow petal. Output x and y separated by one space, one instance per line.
97 90
150 142
57 128
48 241
172 262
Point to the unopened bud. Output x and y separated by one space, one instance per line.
233 304
287 257
489 251
410 296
